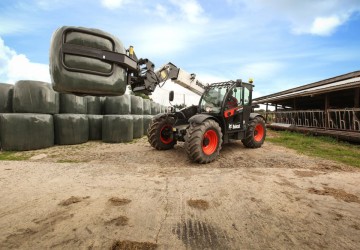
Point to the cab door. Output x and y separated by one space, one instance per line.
233 109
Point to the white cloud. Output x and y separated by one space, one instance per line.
325 25
114 4
14 67
191 11
305 17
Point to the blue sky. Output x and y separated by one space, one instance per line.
279 43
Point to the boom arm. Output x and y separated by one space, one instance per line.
140 72
178 75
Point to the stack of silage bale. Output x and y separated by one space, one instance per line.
71 125
118 125
34 116
31 124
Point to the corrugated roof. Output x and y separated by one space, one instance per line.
346 81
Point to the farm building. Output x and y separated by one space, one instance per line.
328 107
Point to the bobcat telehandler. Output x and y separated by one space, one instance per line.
224 112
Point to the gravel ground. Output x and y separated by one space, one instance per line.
130 196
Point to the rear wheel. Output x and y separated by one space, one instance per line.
255 133
160 133
203 141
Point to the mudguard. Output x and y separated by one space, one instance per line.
253 115
199 118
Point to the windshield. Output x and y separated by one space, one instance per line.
212 99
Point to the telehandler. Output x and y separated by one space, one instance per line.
224 112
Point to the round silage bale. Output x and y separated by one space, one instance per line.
19 132
71 129
147 121
147 106
6 97
71 73
117 128
95 127
138 126
72 104
117 105
153 108
35 97
93 104
137 105
157 108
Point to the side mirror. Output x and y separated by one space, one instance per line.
171 96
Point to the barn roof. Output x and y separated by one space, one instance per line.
346 81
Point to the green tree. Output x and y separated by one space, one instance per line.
142 95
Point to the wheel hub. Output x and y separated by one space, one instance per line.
206 142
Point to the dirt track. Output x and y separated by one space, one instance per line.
96 196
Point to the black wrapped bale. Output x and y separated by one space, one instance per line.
147 106
78 74
93 105
137 106
35 97
72 104
158 108
117 105
20 132
117 128
153 108
102 101
71 129
138 126
163 109
147 121
6 97
95 127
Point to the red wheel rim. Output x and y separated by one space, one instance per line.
259 132
210 142
165 134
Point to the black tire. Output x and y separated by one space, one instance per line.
203 141
255 133
160 135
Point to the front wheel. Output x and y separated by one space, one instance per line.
160 133
255 133
203 141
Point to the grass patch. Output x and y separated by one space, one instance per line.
320 146
13 156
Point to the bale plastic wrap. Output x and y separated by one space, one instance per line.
147 106
93 105
137 106
138 126
95 127
153 108
72 104
81 74
147 121
117 128
71 129
35 97
20 132
163 109
6 97
117 105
